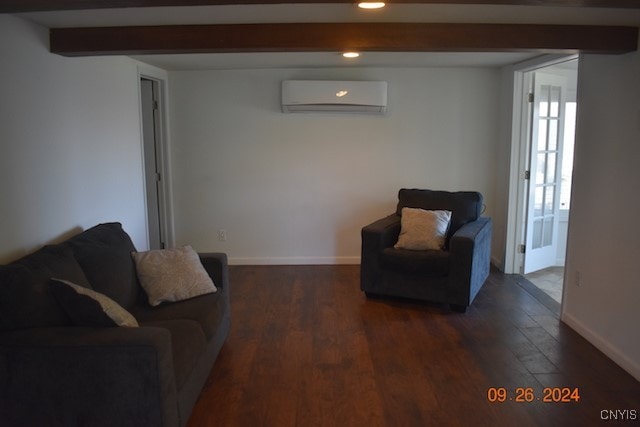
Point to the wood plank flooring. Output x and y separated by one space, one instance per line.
307 348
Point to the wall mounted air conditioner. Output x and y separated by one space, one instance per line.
304 96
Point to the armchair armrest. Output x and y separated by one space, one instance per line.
472 233
376 236
470 249
382 233
87 376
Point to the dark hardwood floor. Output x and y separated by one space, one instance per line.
307 348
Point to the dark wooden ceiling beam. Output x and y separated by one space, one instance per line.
327 37
16 6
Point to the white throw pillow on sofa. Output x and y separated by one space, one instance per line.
422 229
169 275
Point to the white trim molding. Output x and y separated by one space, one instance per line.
602 344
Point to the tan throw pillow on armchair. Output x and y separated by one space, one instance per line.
422 229
172 274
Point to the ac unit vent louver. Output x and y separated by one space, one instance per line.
305 96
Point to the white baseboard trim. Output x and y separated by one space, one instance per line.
632 367
497 263
349 260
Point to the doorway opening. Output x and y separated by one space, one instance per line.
546 141
153 150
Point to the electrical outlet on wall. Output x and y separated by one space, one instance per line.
222 235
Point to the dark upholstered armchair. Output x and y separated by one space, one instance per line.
453 275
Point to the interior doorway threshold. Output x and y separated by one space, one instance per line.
537 293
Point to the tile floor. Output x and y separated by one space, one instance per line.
548 280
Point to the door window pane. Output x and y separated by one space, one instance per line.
542 134
544 101
551 168
567 154
537 234
549 200
540 168
553 135
554 110
538 199
547 237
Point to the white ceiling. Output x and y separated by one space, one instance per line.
282 13
237 14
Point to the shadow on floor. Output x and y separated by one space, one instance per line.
549 280
545 286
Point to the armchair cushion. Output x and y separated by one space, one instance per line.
465 206
428 263
423 229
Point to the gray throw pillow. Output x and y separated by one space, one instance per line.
170 275
423 229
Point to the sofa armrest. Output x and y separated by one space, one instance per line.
216 264
470 249
87 376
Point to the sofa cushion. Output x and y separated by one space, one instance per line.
187 345
104 253
429 263
422 229
57 261
25 300
207 310
170 275
25 297
465 206
87 307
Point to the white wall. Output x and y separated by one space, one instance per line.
292 188
604 242
70 153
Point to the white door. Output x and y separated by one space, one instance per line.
547 125
148 92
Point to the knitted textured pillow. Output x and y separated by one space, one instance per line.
423 229
172 274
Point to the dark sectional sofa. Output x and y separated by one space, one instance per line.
53 373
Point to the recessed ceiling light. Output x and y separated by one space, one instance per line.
371 5
351 54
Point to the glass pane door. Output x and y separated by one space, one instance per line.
544 182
